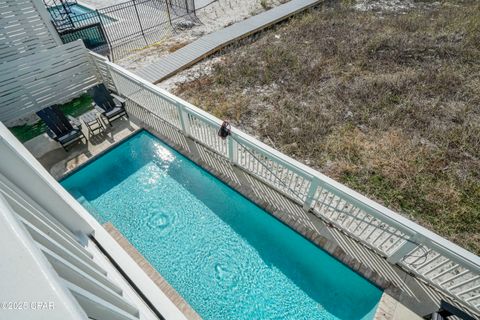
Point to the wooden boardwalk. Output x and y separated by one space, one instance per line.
209 44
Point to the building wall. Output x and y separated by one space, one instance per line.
25 29
47 77
23 169
36 69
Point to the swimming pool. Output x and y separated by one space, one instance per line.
79 15
227 257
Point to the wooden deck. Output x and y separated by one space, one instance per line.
211 43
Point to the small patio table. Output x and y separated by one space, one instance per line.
92 121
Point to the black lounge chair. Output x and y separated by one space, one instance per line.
60 128
108 104
448 310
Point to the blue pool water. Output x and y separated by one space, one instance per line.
227 257
80 15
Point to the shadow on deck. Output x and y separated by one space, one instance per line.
60 162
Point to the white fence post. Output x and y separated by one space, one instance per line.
108 67
311 194
232 149
408 246
183 116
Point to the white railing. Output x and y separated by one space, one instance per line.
100 67
439 262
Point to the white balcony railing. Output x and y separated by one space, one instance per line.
438 261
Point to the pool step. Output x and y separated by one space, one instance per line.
83 201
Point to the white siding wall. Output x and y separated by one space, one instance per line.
36 70
47 77
24 29
21 169
27 277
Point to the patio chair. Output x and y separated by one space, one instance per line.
448 310
108 104
60 128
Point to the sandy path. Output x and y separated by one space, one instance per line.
214 17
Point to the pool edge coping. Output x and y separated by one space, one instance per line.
386 307
70 172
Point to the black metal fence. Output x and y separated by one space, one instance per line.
122 28
182 7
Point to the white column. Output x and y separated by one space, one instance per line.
183 116
408 246
307 205
232 149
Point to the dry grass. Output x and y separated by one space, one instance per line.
388 104
177 45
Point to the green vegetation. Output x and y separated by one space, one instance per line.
387 103
78 106
265 5
75 108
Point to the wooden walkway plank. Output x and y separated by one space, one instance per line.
211 43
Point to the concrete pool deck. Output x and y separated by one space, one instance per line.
405 296
60 162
